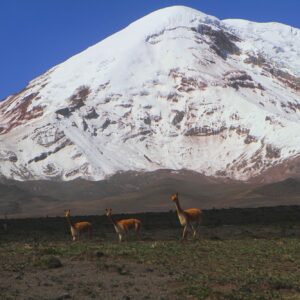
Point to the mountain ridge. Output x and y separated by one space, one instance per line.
177 89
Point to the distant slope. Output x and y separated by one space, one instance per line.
287 188
15 200
140 192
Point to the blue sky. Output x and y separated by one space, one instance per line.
38 34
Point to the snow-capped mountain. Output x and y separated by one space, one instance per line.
177 89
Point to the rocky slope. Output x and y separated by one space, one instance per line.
177 89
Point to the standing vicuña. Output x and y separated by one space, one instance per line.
123 226
79 227
187 217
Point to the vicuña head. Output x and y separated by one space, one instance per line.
108 211
188 218
67 213
174 197
79 227
122 227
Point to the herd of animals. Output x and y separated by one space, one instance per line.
188 218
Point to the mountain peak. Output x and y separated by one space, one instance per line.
179 15
177 89
172 16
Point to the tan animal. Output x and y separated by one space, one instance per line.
122 227
189 217
78 228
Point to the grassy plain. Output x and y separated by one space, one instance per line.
255 256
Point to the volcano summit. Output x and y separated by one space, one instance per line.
177 89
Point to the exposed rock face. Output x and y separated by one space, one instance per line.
18 110
177 89
240 79
285 77
8 156
222 42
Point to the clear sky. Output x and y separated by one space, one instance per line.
38 34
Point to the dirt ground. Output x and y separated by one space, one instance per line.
82 277
90 269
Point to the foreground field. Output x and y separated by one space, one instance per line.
227 261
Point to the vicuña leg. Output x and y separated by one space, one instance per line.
194 230
120 237
185 231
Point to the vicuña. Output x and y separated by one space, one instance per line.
122 227
189 217
78 228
